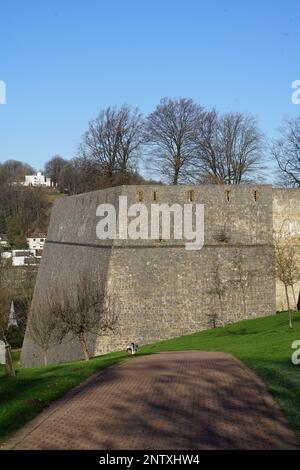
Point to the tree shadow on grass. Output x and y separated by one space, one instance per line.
32 390
282 379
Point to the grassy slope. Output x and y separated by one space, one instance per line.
53 194
23 397
263 344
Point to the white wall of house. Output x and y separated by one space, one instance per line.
37 180
36 243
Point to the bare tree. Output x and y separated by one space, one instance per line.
30 209
217 290
53 168
131 126
286 151
84 309
242 278
43 327
5 301
5 296
79 176
287 267
229 149
113 140
24 282
13 171
170 136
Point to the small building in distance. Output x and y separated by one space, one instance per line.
38 180
29 256
36 241
24 258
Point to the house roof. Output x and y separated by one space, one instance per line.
18 253
37 234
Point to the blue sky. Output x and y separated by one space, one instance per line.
64 60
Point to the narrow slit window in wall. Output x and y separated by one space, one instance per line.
191 196
227 195
140 196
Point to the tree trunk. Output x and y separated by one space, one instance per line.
294 297
45 358
176 172
9 365
244 303
289 307
84 347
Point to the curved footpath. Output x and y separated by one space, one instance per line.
182 400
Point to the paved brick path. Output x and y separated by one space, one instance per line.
190 400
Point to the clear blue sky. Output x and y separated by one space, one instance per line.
64 60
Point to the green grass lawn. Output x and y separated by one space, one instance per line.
263 344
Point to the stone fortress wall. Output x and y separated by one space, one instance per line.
286 223
159 288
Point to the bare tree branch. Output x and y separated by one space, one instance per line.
85 308
113 140
170 136
229 149
286 151
286 266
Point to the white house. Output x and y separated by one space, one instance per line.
36 240
24 258
37 180
27 257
